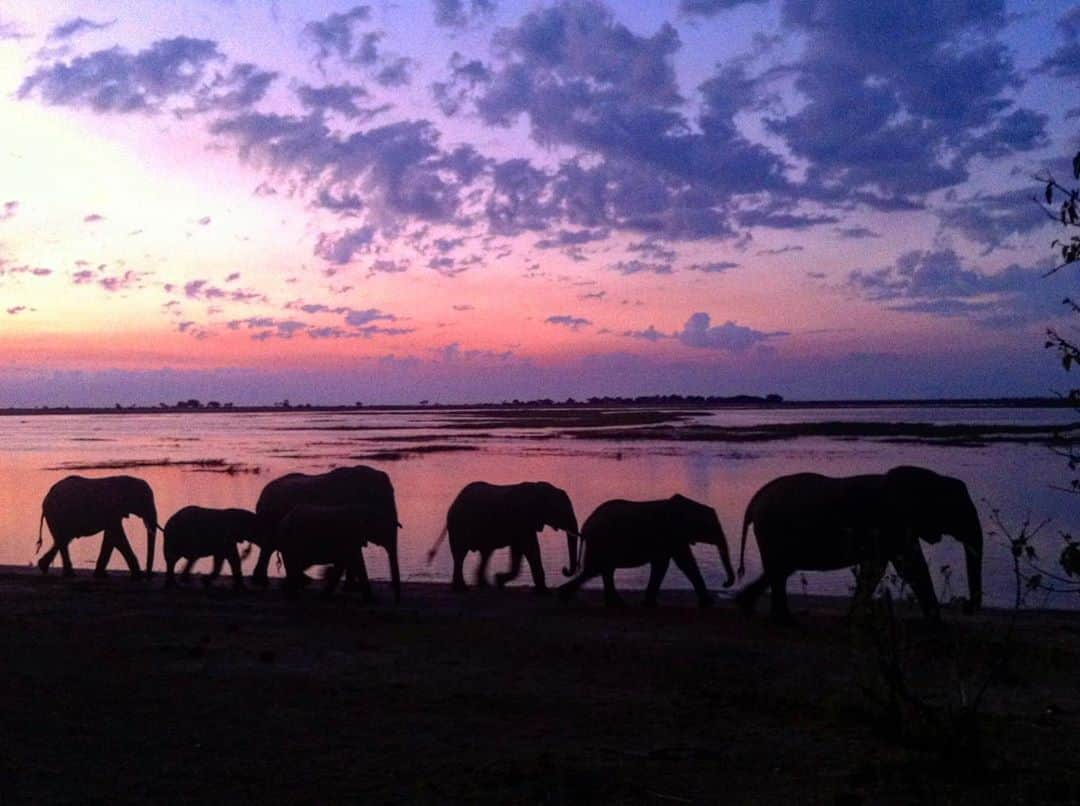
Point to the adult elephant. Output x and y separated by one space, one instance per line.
810 522
485 517
626 534
344 486
79 507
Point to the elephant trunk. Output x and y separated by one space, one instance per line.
151 539
572 551
973 552
395 573
725 560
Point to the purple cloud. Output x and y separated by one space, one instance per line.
76 26
572 322
728 337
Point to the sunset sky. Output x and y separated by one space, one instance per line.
468 200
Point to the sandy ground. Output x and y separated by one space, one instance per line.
119 692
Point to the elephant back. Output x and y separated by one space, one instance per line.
342 486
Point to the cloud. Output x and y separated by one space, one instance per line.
627 267
388 266
9 30
991 219
339 98
939 283
340 35
117 81
203 290
467 76
783 250
1064 62
76 26
648 334
93 218
573 322
341 248
715 267
17 309
898 102
856 232
461 13
364 317
337 35
728 337
709 8
204 221
9 209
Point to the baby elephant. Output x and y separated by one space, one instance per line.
325 535
196 532
626 534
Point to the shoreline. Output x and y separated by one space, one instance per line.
738 402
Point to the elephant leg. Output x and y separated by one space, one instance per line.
611 596
780 612
536 565
568 589
866 581
233 556
656 576
215 572
259 577
912 567
748 596
189 564
120 542
333 576
45 560
684 559
458 584
108 543
65 558
503 577
361 583
481 570
170 576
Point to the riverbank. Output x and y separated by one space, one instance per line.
119 692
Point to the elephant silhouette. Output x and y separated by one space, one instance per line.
627 534
343 486
485 517
810 522
195 532
79 507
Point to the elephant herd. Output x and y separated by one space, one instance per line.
804 521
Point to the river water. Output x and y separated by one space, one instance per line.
431 454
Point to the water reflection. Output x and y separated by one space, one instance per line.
1014 478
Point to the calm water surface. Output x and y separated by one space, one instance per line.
1016 479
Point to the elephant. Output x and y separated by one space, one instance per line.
343 486
627 534
79 507
196 532
485 517
325 535
811 522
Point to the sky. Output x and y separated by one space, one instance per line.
482 200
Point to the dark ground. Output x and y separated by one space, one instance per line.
119 692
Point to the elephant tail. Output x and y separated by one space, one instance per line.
435 547
748 518
41 524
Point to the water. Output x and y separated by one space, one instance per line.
1016 479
